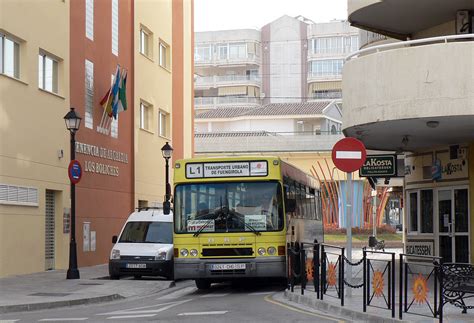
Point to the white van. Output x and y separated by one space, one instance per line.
144 246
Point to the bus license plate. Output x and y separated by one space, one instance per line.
136 266
227 266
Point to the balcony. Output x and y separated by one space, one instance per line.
215 81
202 102
411 95
264 142
250 59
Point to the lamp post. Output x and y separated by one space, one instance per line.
167 151
73 121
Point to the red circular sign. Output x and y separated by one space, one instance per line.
349 154
74 171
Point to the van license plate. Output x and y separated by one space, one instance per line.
227 266
136 266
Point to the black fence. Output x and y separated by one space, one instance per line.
425 284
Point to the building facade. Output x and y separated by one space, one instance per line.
62 54
411 90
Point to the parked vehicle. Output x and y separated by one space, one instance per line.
145 246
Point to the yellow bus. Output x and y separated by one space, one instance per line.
234 216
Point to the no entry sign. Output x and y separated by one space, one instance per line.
349 154
74 171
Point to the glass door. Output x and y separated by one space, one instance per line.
453 224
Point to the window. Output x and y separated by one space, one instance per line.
89 94
237 50
115 27
164 55
90 19
327 67
328 45
163 124
47 73
146 38
202 53
426 209
413 213
114 127
222 51
10 194
9 57
145 113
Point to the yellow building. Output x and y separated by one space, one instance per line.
34 142
163 91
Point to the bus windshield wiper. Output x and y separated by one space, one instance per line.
198 232
251 228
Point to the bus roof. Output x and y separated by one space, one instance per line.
287 170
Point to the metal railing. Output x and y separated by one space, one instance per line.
216 80
408 43
263 141
201 101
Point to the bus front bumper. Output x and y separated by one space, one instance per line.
254 267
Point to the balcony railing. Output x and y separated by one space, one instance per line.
263 141
408 43
214 81
209 101
250 58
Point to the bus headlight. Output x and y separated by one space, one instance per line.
271 251
115 254
184 252
193 252
261 251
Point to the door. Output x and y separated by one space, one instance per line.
49 230
453 224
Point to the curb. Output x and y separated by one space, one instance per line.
337 310
48 305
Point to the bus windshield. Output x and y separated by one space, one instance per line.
228 207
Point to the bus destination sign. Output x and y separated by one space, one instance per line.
379 166
226 169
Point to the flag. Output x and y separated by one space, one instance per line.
106 103
122 105
115 93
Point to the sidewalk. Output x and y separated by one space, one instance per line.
51 289
353 305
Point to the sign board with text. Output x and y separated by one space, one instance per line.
379 166
226 169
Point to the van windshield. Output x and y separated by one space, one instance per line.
147 232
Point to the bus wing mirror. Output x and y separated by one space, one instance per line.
290 205
114 239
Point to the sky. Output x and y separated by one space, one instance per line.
238 14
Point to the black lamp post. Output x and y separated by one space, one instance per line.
73 121
167 151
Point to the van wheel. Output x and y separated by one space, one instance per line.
137 276
203 284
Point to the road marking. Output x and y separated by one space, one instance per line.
268 299
179 293
143 309
261 293
214 295
129 316
203 313
64 319
348 155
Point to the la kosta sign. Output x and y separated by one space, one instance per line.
104 153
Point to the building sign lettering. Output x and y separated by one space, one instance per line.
104 153
419 248
379 166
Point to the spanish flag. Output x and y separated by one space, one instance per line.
106 103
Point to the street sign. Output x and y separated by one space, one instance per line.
379 166
74 171
348 154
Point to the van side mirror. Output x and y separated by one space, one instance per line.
290 205
114 239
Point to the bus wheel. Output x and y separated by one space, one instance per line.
203 284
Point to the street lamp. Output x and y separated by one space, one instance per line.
73 121
166 151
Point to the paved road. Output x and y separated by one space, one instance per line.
222 303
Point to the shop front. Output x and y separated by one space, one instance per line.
437 217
